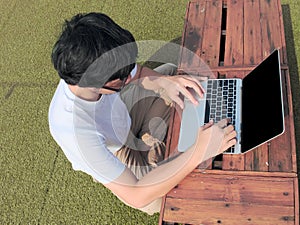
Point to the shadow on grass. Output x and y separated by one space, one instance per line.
170 52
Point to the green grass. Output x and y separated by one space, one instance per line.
37 183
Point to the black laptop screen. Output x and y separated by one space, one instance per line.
262 109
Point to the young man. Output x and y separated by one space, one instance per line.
108 117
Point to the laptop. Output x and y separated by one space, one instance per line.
253 104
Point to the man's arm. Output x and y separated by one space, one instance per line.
172 85
155 184
212 140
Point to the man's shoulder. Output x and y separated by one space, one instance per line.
60 109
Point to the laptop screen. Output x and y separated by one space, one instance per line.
262 107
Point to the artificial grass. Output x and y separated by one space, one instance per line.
38 185
27 155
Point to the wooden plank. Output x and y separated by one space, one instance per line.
234 44
192 36
257 159
226 69
210 50
207 164
235 74
245 190
215 212
282 152
162 211
233 162
252 33
278 161
290 121
270 26
172 146
170 132
245 173
182 54
283 47
296 188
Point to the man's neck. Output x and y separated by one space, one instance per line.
88 94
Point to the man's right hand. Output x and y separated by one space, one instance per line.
214 139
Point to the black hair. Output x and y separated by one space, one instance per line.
88 37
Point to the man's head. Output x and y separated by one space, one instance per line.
93 50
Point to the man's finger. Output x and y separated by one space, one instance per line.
179 101
228 144
209 124
223 123
186 93
197 81
195 85
229 129
231 135
191 82
200 78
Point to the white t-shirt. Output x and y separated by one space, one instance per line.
90 132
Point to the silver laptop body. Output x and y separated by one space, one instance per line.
253 104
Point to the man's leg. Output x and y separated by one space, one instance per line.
149 124
166 69
145 146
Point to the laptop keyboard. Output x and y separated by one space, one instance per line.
221 102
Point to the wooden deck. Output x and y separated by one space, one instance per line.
261 186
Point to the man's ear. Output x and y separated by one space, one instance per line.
128 79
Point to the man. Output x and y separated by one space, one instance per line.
110 115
